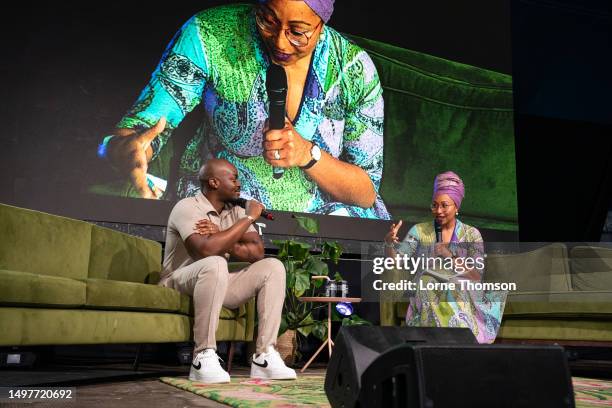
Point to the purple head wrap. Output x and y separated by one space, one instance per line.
322 8
450 184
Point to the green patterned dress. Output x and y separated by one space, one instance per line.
219 60
479 310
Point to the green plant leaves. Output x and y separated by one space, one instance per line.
316 266
291 319
283 248
319 330
306 325
331 251
299 250
355 320
290 274
305 330
300 265
315 327
318 283
302 282
308 224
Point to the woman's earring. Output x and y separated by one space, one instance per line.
457 213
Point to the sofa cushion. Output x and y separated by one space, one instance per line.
591 268
39 326
226 314
37 242
231 314
111 294
31 289
122 257
543 269
117 295
556 329
233 329
585 304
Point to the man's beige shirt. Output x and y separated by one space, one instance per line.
181 224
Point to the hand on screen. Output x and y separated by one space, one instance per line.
132 152
391 237
285 147
206 227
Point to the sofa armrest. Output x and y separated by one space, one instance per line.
387 314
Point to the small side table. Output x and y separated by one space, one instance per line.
329 301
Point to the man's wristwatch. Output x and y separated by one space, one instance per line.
315 152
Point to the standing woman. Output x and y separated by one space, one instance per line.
332 145
481 311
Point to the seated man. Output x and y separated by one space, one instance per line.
196 264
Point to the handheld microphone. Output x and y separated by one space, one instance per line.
276 87
242 203
438 229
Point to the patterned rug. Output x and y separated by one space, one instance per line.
592 393
243 392
307 391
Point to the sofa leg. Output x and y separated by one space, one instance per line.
138 357
230 357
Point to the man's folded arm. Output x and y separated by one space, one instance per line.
249 248
200 246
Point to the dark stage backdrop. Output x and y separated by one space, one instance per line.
562 60
72 70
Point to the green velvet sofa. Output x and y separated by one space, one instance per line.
443 115
66 282
562 296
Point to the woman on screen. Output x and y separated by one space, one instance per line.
331 148
452 252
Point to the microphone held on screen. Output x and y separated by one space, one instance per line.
242 203
276 87
438 229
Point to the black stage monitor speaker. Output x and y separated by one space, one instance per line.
388 367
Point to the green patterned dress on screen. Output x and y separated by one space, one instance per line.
218 59
479 310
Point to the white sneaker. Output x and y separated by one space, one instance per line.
205 368
270 366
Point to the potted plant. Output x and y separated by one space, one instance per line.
301 264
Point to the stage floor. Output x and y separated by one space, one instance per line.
117 385
109 385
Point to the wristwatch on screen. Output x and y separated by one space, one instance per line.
315 152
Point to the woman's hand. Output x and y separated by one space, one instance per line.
206 227
391 237
131 151
286 147
441 249
471 274
343 181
